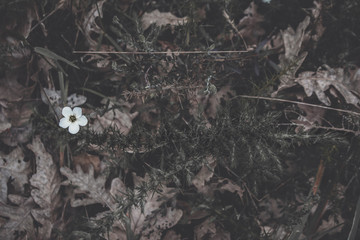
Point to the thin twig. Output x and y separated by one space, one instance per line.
300 103
321 127
158 53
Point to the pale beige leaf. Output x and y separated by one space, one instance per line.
161 19
322 80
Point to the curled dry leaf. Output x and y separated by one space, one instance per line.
13 166
161 19
46 185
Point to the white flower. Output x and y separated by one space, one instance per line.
72 119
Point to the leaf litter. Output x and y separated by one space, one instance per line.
35 187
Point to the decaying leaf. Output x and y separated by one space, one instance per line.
290 62
4 123
84 160
313 116
209 230
250 25
161 19
207 105
54 97
86 183
15 135
13 166
46 184
203 184
153 220
172 235
272 210
119 118
20 221
204 175
89 25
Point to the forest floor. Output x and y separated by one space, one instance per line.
166 119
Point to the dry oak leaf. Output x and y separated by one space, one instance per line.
119 118
202 181
89 25
152 220
161 19
13 166
86 183
321 80
46 184
290 62
19 220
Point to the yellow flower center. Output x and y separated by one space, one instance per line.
72 118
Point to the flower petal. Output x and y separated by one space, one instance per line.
67 112
82 121
74 128
77 112
64 122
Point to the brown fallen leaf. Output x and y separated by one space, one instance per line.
313 116
84 160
